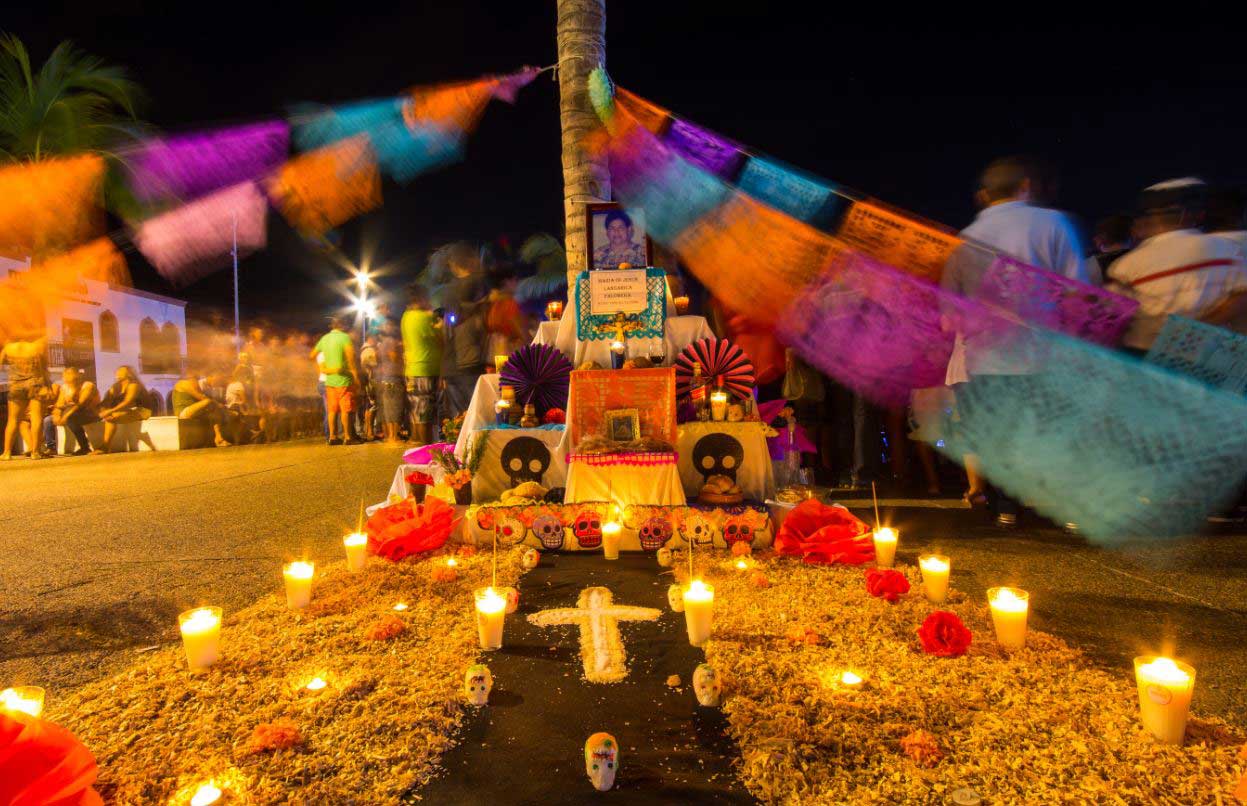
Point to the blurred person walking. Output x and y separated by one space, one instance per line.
1177 269
421 331
28 377
388 381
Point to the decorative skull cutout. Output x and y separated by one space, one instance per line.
549 530
525 459
531 558
655 533
664 557
718 455
588 529
509 531
675 598
737 530
602 760
707 685
477 683
697 529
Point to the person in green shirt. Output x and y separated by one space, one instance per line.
341 374
422 362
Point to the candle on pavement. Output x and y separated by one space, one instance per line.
491 609
1165 689
698 611
935 569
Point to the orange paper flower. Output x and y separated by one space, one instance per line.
280 735
923 748
386 628
741 548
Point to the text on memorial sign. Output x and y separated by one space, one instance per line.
618 291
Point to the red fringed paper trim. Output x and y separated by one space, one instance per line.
632 459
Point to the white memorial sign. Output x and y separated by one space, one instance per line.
618 291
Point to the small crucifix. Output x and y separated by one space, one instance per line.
601 649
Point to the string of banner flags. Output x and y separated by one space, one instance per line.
1081 433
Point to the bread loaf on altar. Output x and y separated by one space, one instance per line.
720 485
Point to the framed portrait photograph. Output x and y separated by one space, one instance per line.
617 236
623 425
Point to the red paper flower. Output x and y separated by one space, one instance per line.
886 583
555 416
384 629
415 478
280 735
41 762
406 528
824 534
923 748
943 635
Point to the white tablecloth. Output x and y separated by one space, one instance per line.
681 331
480 413
731 449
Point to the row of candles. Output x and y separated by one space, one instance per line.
1165 685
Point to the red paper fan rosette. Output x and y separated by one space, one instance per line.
42 763
718 358
540 375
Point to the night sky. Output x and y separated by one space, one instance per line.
903 108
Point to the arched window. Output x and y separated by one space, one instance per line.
149 347
109 341
171 348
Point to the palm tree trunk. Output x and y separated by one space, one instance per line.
582 47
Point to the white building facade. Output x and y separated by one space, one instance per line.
99 327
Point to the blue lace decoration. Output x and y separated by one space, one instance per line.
649 324
789 191
1120 447
1214 355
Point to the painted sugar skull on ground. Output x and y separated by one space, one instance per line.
707 685
602 760
477 683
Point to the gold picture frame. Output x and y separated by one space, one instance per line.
623 425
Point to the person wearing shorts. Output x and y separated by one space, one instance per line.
337 357
388 381
422 362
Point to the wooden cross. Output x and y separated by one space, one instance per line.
601 649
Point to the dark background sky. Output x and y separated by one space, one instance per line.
901 106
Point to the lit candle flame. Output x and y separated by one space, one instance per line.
300 570
206 794
851 679
885 535
933 563
401 606
1007 599
452 562
355 539
742 565
27 700
316 684
1164 670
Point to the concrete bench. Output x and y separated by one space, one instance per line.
166 433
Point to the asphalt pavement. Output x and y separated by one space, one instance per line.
98 555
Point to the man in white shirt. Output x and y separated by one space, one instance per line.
1177 269
1227 216
1007 223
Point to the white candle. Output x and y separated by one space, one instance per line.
23 699
1009 609
698 611
718 406
356 551
610 540
1165 689
491 609
885 547
851 680
298 584
934 577
201 636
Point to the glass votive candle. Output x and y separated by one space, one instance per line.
1165 689
885 547
935 569
1009 610
201 636
491 610
298 576
356 551
23 700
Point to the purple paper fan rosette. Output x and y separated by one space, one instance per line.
540 375
718 357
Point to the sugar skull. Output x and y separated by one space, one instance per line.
655 533
588 529
602 760
697 529
531 558
675 598
707 685
525 459
509 531
718 455
549 530
477 683
664 557
737 530
513 598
